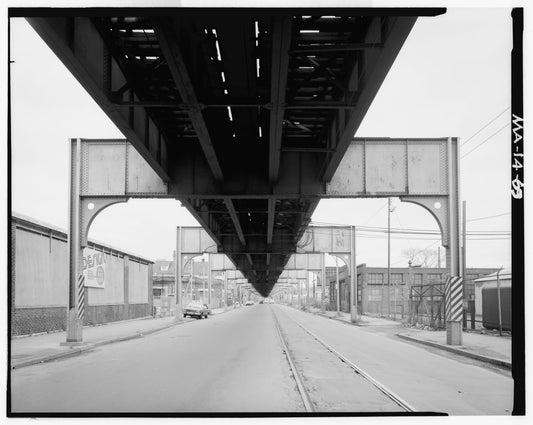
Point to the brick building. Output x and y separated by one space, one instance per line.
374 292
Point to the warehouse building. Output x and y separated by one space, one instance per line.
118 284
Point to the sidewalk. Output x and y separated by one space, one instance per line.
489 348
29 350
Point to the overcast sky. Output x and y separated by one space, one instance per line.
451 78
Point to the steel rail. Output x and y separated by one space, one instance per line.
299 381
398 400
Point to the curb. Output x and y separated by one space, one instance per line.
36 360
502 363
346 322
76 351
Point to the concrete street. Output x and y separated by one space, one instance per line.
234 362
429 380
228 362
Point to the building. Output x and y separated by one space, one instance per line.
490 281
195 285
118 284
414 293
164 288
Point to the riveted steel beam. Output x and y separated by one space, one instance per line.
347 47
235 220
168 40
376 66
270 223
79 45
281 41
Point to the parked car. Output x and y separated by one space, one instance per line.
236 305
249 302
196 309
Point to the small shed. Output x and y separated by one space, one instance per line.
488 282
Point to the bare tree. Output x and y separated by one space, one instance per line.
424 258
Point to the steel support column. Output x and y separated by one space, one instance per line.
454 329
178 273
353 272
209 281
307 289
337 285
76 279
323 279
225 290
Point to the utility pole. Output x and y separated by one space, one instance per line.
388 260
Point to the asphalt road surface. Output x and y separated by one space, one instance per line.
234 362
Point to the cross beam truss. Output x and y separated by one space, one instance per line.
421 171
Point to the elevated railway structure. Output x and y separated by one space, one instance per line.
246 116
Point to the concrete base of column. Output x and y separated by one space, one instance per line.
179 313
454 333
74 328
354 317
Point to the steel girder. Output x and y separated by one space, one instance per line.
245 113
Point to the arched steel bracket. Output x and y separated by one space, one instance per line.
440 214
102 173
342 256
90 207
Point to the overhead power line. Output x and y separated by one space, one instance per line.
376 229
485 126
486 140
437 238
490 216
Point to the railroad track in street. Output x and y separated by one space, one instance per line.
359 372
